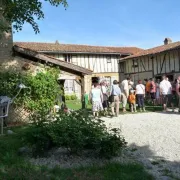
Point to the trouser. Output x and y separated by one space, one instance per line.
140 99
178 97
124 100
115 104
133 107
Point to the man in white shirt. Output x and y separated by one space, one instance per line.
165 92
125 92
178 91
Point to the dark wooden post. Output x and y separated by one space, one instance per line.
82 92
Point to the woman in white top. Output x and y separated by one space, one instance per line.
158 98
140 94
96 97
105 96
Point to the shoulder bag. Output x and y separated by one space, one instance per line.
111 97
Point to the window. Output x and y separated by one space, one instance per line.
67 57
108 59
121 67
135 63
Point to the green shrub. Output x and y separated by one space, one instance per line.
73 97
70 97
76 131
67 97
43 91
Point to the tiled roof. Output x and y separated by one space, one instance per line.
63 65
58 47
155 50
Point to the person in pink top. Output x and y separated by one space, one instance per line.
153 91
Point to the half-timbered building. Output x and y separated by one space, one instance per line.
102 61
153 62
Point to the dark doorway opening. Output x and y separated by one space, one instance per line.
62 96
95 80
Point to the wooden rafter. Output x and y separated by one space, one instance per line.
48 59
163 63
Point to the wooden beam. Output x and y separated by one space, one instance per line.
143 64
148 64
153 66
169 62
156 64
174 60
179 58
82 91
163 63
68 66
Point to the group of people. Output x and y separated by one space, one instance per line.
103 96
164 93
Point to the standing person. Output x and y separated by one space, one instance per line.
105 97
96 98
165 92
116 94
140 93
178 91
130 86
132 101
153 91
125 92
158 98
174 96
85 100
148 88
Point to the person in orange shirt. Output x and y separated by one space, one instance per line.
148 86
132 101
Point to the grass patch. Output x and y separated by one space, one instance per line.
110 171
76 105
15 167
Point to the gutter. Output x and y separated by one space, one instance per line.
70 52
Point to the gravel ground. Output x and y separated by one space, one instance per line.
153 139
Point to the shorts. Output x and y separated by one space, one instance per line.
153 95
167 98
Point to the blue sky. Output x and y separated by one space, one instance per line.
140 23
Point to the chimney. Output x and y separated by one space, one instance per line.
57 42
167 41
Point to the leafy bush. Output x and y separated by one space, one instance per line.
43 91
67 97
76 131
73 97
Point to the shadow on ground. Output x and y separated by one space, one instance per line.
160 167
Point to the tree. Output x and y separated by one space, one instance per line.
19 12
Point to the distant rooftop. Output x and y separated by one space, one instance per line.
74 48
168 45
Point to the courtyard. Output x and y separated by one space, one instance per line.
153 139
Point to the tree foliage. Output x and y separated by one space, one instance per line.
19 12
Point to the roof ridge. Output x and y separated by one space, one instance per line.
155 50
79 45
